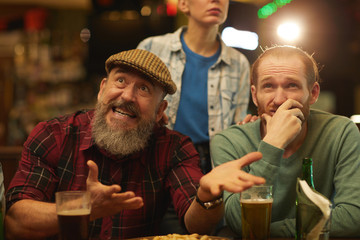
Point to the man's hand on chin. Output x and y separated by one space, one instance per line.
283 127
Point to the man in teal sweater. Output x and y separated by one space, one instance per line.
284 83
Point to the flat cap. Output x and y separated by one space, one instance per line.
146 63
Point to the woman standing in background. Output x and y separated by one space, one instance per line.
212 79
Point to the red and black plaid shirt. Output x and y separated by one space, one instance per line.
54 159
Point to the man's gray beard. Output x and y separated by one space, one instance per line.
120 142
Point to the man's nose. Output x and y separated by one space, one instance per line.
280 96
129 93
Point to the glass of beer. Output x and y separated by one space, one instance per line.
73 209
256 203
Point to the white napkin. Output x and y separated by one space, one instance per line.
322 203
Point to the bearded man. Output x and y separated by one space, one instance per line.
284 83
132 166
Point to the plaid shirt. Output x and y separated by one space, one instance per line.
54 159
228 80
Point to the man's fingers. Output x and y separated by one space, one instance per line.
133 203
128 200
237 187
246 119
113 189
298 113
289 104
249 158
93 171
251 178
254 118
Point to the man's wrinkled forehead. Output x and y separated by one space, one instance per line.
270 65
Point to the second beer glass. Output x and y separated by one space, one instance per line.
256 204
73 209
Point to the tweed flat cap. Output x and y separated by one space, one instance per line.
146 63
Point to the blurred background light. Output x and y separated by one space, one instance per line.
289 31
271 8
355 118
161 9
240 39
145 11
85 35
171 7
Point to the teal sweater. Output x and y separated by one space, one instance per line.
333 142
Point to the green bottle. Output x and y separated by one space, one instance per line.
307 175
307 172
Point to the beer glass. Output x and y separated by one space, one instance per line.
256 203
73 210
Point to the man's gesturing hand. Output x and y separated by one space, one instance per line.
229 177
107 200
284 125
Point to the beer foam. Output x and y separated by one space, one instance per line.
74 212
256 201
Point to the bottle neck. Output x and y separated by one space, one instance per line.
307 172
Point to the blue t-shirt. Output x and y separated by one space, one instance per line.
192 118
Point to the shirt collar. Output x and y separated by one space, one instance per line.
176 41
225 54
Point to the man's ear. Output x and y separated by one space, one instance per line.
253 95
102 84
314 92
162 106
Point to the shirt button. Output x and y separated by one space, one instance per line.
211 107
212 129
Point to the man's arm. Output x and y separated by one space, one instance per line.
229 177
234 143
346 209
30 219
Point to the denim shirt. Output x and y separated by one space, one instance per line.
228 80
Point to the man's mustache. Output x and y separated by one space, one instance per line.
128 106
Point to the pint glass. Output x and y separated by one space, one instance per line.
256 204
73 210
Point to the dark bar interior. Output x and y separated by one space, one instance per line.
52 52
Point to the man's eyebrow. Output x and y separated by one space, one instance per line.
266 78
143 76
295 78
289 78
